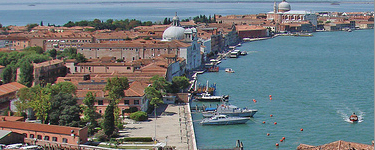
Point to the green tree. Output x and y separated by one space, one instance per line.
159 83
179 83
64 110
116 86
26 74
8 75
89 112
22 104
52 53
109 120
40 102
64 87
139 116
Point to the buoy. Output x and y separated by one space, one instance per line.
283 138
268 134
270 98
271 115
263 122
301 129
270 95
254 101
277 144
275 123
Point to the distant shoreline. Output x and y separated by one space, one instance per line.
204 1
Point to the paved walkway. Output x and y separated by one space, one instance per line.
173 127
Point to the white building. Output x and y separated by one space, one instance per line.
283 14
189 36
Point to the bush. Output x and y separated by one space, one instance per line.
101 136
138 139
139 116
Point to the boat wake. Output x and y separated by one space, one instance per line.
346 112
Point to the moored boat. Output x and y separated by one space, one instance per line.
208 97
231 110
224 120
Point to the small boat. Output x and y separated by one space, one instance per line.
243 53
230 110
223 120
229 70
353 118
213 69
208 97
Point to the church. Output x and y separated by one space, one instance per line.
283 14
188 36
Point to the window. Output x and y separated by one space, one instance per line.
31 135
65 140
100 102
24 135
39 137
54 139
128 68
126 102
100 111
136 102
46 138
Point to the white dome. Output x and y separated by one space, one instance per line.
173 33
284 6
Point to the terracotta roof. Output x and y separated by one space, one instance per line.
249 28
11 118
337 145
39 127
136 89
48 63
10 87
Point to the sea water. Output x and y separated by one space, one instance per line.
315 84
23 12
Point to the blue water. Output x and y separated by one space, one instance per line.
20 13
315 82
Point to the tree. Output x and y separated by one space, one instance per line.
64 87
179 83
26 75
89 112
40 102
8 75
159 83
52 53
64 110
116 86
109 121
22 104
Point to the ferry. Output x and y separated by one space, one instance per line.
234 54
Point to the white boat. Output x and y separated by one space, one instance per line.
208 97
229 70
234 54
231 110
224 120
244 53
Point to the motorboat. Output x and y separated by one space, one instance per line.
208 97
353 118
230 110
243 53
223 120
229 70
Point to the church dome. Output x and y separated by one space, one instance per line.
173 33
284 6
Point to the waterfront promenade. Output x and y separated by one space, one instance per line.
173 127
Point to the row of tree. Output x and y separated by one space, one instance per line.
110 24
24 59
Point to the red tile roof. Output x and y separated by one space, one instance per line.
11 118
39 127
10 87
